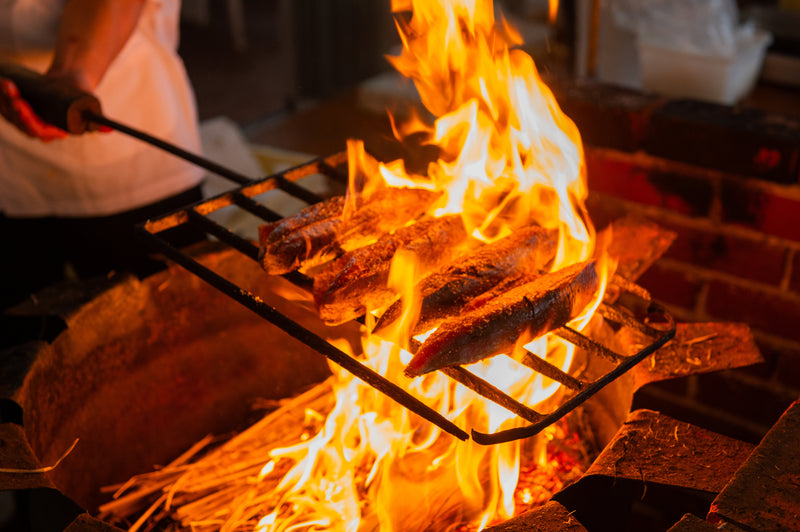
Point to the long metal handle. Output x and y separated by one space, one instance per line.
72 109
202 162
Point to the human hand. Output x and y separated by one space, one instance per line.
19 113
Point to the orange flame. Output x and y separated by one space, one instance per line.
552 11
509 158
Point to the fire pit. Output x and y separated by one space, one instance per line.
149 366
188 342
373 452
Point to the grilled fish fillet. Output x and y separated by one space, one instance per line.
449 289
522 314
349 285
325 228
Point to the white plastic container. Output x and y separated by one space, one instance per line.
684 74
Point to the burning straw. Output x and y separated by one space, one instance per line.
218 490
229 486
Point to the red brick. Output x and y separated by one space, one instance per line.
750 206
766 311
747 142
634 181
671 286
607 116
744 257
604 209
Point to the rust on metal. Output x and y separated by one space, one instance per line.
764 494
699 348
653 448
552 517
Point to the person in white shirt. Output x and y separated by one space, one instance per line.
75 198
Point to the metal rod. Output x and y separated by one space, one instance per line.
547 369
254 207
246 247
302 334
489 391
573 336
297 191
612 313
333 173
202 162
631 287
518 433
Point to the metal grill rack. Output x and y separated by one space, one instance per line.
334 167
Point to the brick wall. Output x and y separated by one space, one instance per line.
727 181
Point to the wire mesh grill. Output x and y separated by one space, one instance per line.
334 167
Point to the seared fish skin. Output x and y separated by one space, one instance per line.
275 231
522 314
501 288
324 228
356 281
449 289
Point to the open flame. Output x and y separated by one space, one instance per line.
508 158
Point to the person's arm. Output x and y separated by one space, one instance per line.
91 34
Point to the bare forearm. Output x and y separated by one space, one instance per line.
91 35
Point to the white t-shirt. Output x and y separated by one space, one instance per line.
98 174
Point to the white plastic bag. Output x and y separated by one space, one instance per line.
708 27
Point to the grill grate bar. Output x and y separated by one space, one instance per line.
253 188
209 226
539 365
254 207
576 400
333 172
296 190
321 165
491 392
617 316
299 332
574 337
242 197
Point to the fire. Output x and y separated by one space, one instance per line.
508 158
552 11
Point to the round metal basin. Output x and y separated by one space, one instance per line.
147 368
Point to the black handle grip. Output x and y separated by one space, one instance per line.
54 101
